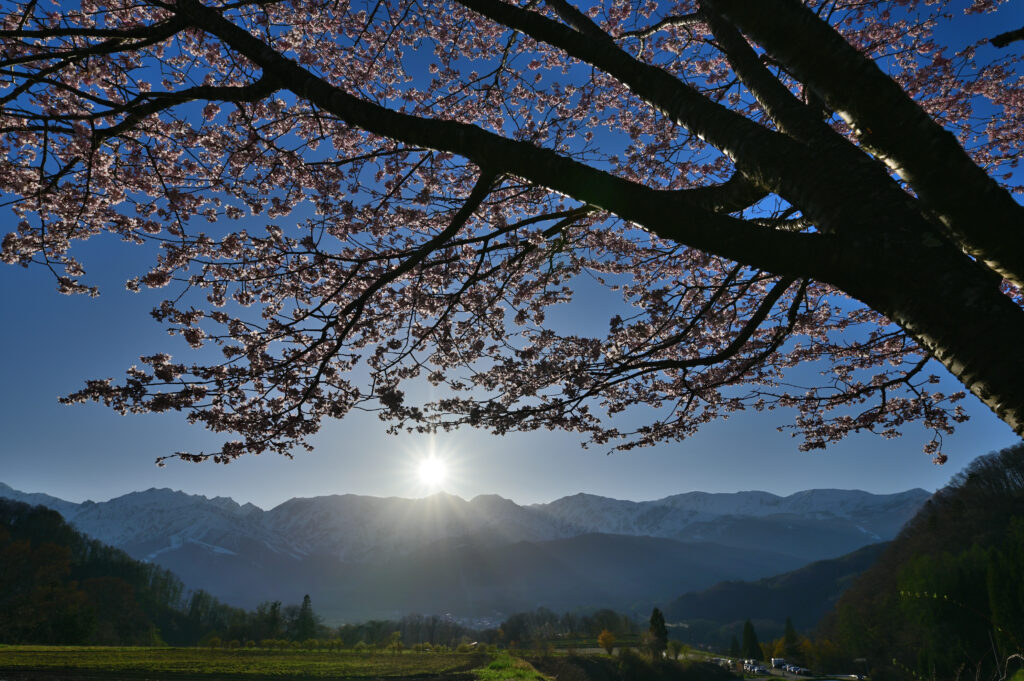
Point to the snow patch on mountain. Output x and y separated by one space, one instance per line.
362 529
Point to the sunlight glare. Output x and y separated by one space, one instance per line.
432 471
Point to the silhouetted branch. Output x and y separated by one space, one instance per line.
1004 39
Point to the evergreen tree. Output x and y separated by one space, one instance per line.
659 633
751 647
734 648
305 624
790 642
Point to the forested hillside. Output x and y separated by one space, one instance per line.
946 600
804 596
59 587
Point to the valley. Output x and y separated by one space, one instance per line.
368 557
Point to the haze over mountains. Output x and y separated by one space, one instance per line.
361 557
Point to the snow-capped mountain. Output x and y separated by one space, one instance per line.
798 523
65 508
358 549
146 524
668 516
360 528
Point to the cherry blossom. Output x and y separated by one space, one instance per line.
352 200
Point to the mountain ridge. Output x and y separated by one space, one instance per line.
8 492
354 527
244 554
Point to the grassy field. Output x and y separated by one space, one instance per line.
201 662
504 667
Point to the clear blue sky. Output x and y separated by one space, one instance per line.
50 343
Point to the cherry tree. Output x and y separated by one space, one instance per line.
352 200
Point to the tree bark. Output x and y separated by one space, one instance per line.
977 211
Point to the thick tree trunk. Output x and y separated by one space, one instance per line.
981 214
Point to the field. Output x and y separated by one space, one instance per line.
55 662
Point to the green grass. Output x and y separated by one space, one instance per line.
237 662
507 668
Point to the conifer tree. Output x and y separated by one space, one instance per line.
791 641
734 648
659 633
305 624
751 647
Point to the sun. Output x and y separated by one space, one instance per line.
432 471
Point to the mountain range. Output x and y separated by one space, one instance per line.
361 556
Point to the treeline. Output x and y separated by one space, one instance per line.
540 625
270 625
794 647
946 600
58 587
433 632
627 665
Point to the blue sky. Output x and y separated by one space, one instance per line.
51 343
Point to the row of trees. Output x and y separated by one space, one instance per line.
533 629
544 625
58 587
432 631
268 622
791 645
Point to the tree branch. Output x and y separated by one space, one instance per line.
790 115
770 159
737 343
353 310
668 214
979 213
161 101
675 20
1004 39
735 194
578 20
